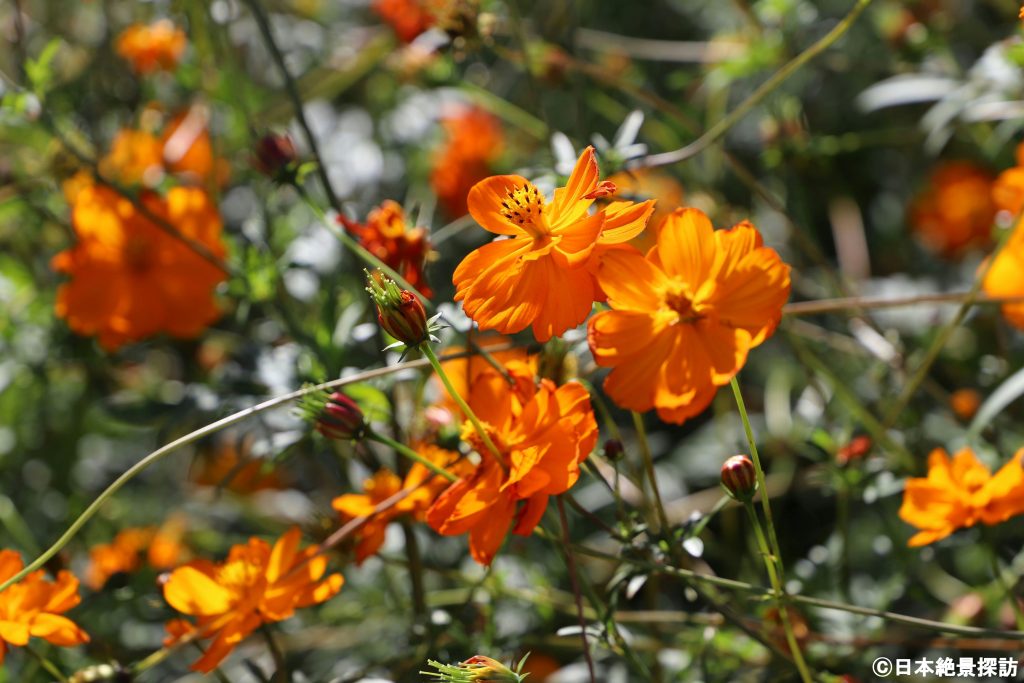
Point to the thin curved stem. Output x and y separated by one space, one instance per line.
771 546
409 453
766 88
652 477
466 410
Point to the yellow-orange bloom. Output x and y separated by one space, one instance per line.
385 484
965 403
955 211
1008 189
158 46
34 606
684 318
1006 277
542 432
387 235
128 278
135 158
188 150
464 372
540 277
257 584
162 547
473 141
960 492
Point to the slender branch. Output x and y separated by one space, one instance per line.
574 579
466 410
772 545
856 302
645 451
945 333
293 94
766 88
409 453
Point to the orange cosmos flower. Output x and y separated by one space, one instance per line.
34 606
1008 189
684 318
135 158
408 18
188 149
1006 277
540 277
650 183
130 279
385 484
387 235
162 548
955 211
543 433
256 585
959 493
158 46
474 141
464 372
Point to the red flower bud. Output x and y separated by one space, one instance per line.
399 312
340 418
858 447
739 477
613 450
275 153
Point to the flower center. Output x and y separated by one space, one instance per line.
524 206
138 253
680 302
975 480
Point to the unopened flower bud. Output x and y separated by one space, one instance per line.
399 312
613 450
275 155
477 668
340 418
739 477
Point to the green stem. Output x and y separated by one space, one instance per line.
404 450
466 410
281 674
645 451
766 88
360 251
997 572
50 667
770 547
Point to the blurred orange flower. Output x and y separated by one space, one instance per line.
1006 277
162 546
955 211
130 279
650 183
33 607
1008 189
155 47
385 484
225 466
473 141
543 433
965 403
684 318
408 18
135 158
188 150
540 277
959 493
387 235
256 585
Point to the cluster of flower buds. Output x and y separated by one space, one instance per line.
399 312
739 478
